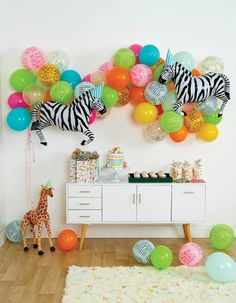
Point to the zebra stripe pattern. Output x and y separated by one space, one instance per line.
142 251
73 117
196 89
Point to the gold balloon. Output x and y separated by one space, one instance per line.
48 74
160 61
107 113
34 94
123 97
193 121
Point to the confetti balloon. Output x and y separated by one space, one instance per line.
125 58
48 74
137 95
106 67
105 115
180 135
145 113
123 97
186 59
193 121
16 100
208 132
61 92
98 77
60 59
33 58
34 94
190 254
153 131
82 87
141 75
212 64
155 92
169 100
171 121
136 50
208 106
21 78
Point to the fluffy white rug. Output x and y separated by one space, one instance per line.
144 285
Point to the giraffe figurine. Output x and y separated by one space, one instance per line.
39 216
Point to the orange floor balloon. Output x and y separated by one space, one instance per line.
67 240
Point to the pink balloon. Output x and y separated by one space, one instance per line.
106 67
136 49
87 78
33 58
188 106
141 75
92 117
190 254
16 100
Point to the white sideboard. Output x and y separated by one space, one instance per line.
135 203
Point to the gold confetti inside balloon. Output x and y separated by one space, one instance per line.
107 113
123 97
212 64
97 78
153 131
34 94
48 74
193 121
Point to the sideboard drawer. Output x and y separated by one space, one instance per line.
84 203
81 216
84 191
188 203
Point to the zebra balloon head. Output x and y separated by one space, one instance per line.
167 73
97 103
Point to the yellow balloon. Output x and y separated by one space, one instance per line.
209 132
145 113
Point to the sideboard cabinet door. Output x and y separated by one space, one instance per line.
119 203
154 203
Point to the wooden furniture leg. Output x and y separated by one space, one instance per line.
83 233
187 232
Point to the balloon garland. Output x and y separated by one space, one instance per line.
130 77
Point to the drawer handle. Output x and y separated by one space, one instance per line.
85 203
188 192
133 198
139 198
84 191
84 216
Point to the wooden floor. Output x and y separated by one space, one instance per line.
29 278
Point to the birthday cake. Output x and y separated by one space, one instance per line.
115 158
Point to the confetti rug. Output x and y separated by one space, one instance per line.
144 285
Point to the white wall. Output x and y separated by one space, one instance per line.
90 31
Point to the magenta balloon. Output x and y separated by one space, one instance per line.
136 49
87 78
92 117
16 100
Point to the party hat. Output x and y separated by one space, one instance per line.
48 184
97 91
169 58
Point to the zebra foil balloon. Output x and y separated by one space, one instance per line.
73 117
194 89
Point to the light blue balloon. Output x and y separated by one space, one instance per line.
19 119
71 76
186 59
13 231
169 101
221 267
149 55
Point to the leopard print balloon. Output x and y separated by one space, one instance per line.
48 74
103 116
159 62
193 121
123 97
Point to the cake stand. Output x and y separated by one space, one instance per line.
115 173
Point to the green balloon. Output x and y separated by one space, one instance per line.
157 72
109 96
21 78
124 57
61 92
213 118
169 101
161 257
171 121
221 236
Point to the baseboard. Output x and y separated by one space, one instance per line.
2 235
136 231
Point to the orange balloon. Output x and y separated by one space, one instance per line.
171 86
180 135
67 240
136 95
118 78
48 97
196 72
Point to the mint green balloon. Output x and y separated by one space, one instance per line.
21 78
124 57
109 96
221 236
221 267
157 72
213 118
161 257
186 59
171 121
169 101
61 92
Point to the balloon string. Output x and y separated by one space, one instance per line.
29 159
